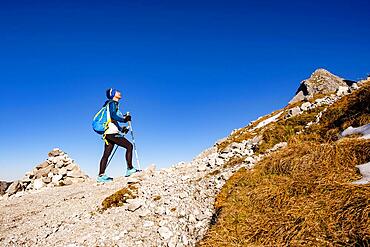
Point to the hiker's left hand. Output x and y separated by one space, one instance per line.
124 130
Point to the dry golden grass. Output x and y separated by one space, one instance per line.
299 196
352 110
284 130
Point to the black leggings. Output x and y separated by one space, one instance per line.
115 140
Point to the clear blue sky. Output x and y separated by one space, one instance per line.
190 71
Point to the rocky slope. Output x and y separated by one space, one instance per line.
167 207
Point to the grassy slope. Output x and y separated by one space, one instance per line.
301 195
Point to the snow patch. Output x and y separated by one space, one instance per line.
363 130
365 172
267 121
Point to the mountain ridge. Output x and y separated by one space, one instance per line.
176 206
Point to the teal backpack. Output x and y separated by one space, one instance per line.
101 120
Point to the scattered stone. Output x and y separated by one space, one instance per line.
38 184
306 106
147 224
134 204
165 232
132 180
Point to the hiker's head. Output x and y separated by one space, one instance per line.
113 93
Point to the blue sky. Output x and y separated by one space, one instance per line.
190 71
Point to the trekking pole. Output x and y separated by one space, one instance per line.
133 142
111 157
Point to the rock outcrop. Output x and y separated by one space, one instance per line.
3 187
320 82
58 170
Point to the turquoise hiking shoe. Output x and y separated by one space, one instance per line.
104 179
131 171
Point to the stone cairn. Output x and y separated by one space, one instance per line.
58 170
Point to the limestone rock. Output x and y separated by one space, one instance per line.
3 187
306 106
342 90
134 204
38 184
293 112
165 232
56 178
14 187
42 165
55 152
320 82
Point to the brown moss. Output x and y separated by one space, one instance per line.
118 198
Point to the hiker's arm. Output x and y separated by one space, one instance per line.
113 113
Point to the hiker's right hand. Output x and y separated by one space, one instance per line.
127 118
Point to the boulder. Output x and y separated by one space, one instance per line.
56 179
14 187
71 166
42 165
55 152
38 184
75 174
4 186
342 90
293 112
44 171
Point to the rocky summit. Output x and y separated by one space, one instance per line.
321 82
56 204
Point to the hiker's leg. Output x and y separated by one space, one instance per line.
123 142
104 160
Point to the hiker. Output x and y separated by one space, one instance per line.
114 135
